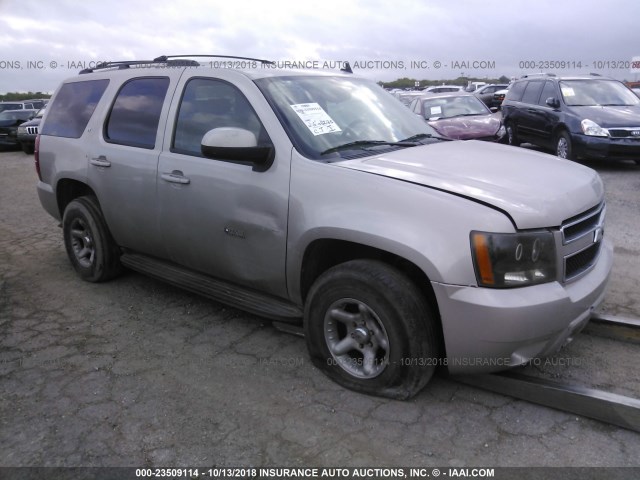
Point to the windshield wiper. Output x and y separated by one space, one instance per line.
422 136
369 143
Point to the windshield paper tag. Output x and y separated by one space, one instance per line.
567 91
436 110
315 118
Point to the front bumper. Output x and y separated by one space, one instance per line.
609 148
8 139
491 329
26 139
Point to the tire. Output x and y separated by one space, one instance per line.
564 147
369 329
28 149
512 135
90 247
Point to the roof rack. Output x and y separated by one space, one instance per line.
539 74
121 65
165 58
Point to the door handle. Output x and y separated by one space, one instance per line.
175 177
100 161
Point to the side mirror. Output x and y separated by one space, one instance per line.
553 102
236 145
493 109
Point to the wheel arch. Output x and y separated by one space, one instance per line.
68 189
323 254
560 127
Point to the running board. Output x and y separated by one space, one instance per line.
607 407
219 290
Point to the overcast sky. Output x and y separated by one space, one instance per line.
43 42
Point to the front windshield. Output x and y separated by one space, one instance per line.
596 93
457 106
323 114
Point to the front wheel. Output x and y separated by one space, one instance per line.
90 247
564 147
512 136
26 148
369 329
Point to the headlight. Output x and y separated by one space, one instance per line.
22 130
589 127
501 131
505 260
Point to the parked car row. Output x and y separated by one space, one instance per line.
578 117
34 104
10 120
459 116
28 131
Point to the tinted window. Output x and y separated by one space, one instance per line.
207 104
548 91
594 92
532 92
72 108
135 114
515 91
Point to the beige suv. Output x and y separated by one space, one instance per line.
316 198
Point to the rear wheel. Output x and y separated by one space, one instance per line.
564 147
369 329
90 247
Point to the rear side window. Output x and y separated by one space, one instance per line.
135 114
532 92
72 108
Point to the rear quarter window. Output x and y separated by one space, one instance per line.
72 108
515 91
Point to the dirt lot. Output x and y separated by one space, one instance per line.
137 373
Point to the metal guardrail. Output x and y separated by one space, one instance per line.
604 406
607 407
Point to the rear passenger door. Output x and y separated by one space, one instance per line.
123 160
528 121
219 217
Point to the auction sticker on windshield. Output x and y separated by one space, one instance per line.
315 118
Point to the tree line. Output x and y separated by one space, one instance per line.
18 96
463 81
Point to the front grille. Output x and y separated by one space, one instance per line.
580 225
630 132
580 262
581 238
32 130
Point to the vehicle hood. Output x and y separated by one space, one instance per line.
32 123
10 123
464 128
608 117
535 189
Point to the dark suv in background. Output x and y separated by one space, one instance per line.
583 116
